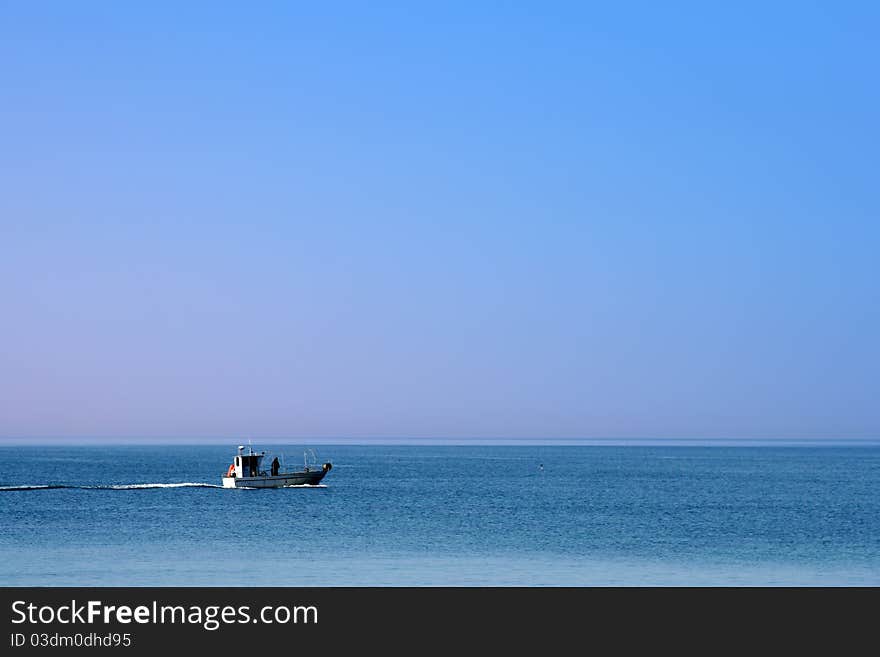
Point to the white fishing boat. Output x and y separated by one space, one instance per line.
246 471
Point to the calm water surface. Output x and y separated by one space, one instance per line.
439 515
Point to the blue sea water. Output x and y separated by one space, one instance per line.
445 515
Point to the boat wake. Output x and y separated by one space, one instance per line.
186 484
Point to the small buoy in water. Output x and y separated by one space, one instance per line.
541 467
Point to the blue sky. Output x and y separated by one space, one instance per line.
374 220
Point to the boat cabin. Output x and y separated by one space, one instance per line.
248 465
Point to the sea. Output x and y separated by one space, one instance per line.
445 515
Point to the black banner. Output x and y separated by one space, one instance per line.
413 620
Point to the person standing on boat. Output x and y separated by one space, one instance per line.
275 467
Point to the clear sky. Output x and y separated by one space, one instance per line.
622 220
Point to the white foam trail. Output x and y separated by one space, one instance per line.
186 484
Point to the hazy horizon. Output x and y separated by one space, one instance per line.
459 221
262 443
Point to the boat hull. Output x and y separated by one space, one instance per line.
303 478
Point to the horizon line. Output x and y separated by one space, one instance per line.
17 441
